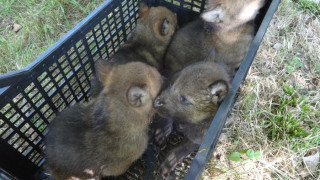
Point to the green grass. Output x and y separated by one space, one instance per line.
308 6
43 23
290 116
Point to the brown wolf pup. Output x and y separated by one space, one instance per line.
147 42
106 135
191 102
226 26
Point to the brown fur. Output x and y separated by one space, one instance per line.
106 135
226 26
149 40
191 102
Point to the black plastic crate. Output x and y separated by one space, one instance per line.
31 97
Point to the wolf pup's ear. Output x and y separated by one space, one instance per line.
138 96
218 91
103 71
143 10
164 27
214 16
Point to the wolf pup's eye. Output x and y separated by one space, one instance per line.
184 101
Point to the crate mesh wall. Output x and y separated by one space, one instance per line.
60 78
29 106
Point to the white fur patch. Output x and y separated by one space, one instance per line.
215 100
213 16
89 172
218 87
250 10
218 92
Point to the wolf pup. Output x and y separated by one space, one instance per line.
192 102
106 135
147 42
226 26
149 39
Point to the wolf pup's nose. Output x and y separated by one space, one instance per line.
158 103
